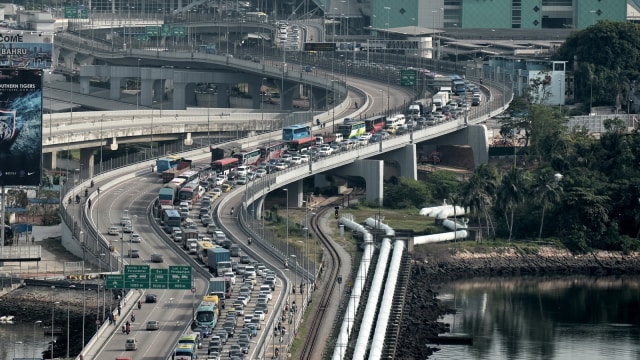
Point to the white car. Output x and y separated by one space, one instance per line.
304 158
296 160
231 276
220 179
135 238
325 150
261 172
242 170
216 191
259 314
114 230
286 157
366 136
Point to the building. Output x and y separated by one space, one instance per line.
499 14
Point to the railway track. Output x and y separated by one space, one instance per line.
311 342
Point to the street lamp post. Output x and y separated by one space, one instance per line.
104 290
287 237
34 337
385 57
139 85
262 102
53 309
14 348
68 315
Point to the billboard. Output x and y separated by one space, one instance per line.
20 127
26 50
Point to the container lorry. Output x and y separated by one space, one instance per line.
218 287
328 138
217 260
188 234
172 173
440 99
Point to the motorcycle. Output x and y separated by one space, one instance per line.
139 304
250 241
133 318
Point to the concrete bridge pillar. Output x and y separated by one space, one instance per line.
474 136
222 97
406 158
158 90
373 173
257 208
146 92
179 93
254 91
295 196
114 87
286 95
49 160
318 98
85 85
86 163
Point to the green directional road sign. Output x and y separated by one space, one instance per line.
152 30
142 37
166 30
70 12
114 281
408 77
136 276
179 277
159 279
83 13
179 31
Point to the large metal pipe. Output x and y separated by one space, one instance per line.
372 303
375 224
453 225
354 226
377 344
442 237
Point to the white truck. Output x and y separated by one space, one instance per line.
440 99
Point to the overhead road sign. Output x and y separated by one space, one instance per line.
408 77
317 46
180 277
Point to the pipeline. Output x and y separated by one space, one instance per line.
377 344
448 211
375 224
354 226
354 301
372 303
442 237
454 225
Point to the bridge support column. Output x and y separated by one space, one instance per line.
49 160
222 97
179 93
85 86
373 173
114 87
158 90
475 136
406 158
286 95
254 91
86 163
258 206
318 97
146 91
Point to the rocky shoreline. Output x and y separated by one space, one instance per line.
439 264
35 303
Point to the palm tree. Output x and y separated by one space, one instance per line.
511 193
478 193
547 191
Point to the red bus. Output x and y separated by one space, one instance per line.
249 157
223 166
375 124
301 144
271 151
190 193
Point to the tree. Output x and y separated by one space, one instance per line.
511 193
613 50
546 191
478 193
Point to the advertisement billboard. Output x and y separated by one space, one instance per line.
26 50
20 127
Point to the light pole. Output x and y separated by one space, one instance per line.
139 85
287 237
68 311
385 56
34 337
103 290
294 261
262 101
101 140
53 309
14 348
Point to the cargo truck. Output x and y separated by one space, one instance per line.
172 173
328 139
189 234
440 99
218 287
218 259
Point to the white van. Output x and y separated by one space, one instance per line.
395 121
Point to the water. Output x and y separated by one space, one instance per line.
566 318
24 339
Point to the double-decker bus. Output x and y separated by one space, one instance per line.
166 163
250 157
270 151
257 16
190 193
203 247
352 130
171 219
223 166
207 314
375 124
189 176
301 144
295 132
